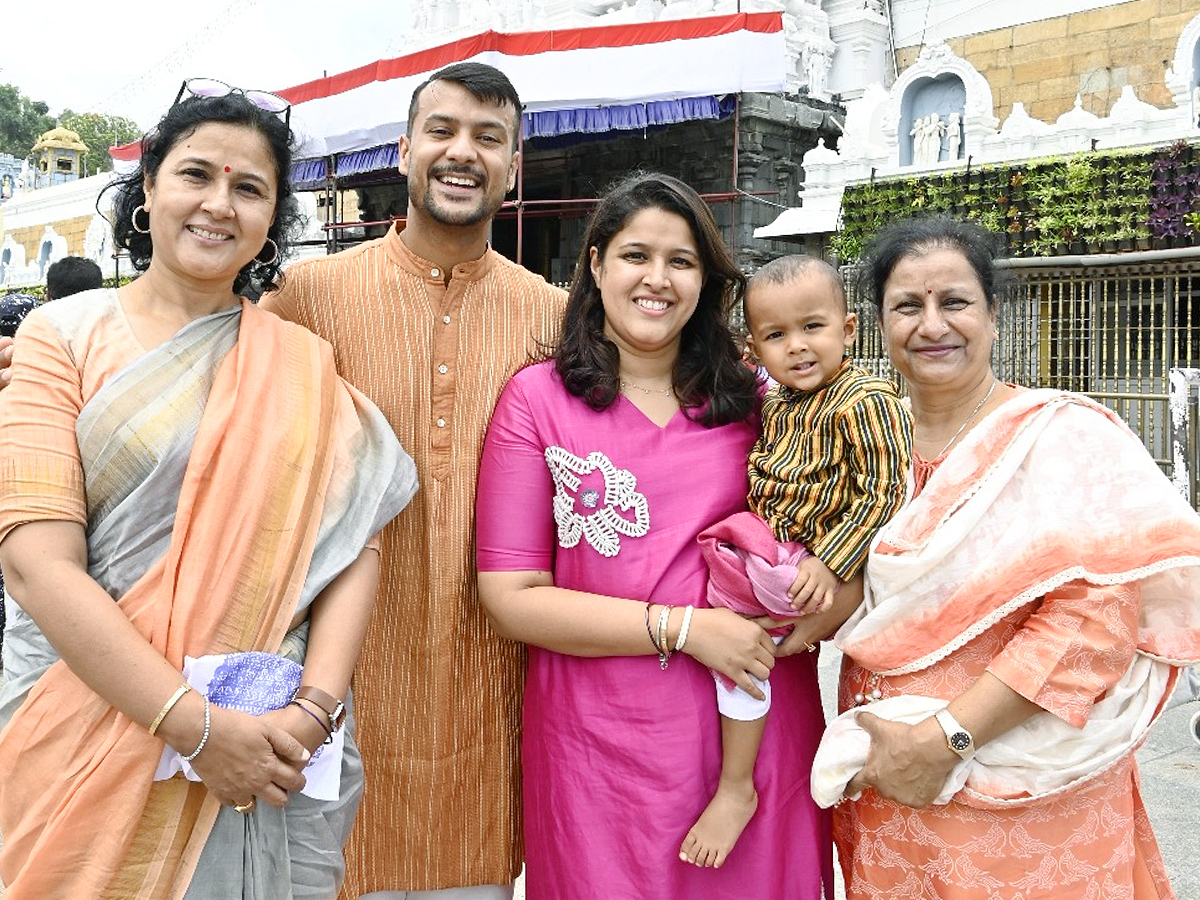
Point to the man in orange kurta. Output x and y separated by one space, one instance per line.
430 322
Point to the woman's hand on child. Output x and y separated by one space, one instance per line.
808 631
738 648
814 588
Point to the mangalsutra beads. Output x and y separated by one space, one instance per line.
870 692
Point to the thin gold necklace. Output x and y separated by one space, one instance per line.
974 412
645 390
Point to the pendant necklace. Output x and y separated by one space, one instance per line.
974 412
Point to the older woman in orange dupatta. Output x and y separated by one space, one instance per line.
170 447
1025 616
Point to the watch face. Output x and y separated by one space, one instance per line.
960 741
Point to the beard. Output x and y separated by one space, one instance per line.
451 213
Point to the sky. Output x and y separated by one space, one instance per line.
129 59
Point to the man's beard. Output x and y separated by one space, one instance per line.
456 214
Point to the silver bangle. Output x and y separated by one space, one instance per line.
683 629
203 737
664 621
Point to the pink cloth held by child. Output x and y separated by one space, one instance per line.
749 571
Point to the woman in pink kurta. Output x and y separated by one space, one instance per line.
588 511
1026 613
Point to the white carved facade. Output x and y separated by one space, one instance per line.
43 208
884 127
810 46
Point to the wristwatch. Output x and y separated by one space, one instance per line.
958 738
333 708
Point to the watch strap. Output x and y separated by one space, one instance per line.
958 739
333 708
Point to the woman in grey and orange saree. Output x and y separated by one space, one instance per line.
188 502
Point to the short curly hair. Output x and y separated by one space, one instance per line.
180 122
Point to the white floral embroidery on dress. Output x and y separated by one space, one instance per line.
604 525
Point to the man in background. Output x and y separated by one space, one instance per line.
70 275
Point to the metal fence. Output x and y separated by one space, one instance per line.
1104 326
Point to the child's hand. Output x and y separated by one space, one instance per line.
814 587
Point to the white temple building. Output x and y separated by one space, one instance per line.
941 113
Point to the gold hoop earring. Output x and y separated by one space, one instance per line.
133 220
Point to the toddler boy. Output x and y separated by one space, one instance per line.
827 472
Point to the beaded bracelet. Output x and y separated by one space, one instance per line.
664 654
315 718
168 706
683 629
203 737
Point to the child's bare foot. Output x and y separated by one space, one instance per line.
720 825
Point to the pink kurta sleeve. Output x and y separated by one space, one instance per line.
513 519
41 476
1076 644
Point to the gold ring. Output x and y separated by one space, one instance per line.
809 647
244 808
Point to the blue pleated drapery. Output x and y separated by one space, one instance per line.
310 173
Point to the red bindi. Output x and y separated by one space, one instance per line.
227 168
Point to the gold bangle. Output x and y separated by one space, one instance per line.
168 706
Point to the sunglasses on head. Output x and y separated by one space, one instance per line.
211 87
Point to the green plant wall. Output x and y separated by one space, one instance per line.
1090 202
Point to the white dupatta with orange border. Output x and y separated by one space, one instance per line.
1050 488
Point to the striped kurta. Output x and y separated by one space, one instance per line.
829 468
437 694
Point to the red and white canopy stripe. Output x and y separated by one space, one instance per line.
573 68
125 157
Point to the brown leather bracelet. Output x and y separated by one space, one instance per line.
334 708
328 731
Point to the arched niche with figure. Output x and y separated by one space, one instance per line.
931 118
939 109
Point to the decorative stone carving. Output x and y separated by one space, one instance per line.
52 247
1021 133
820 154
97 242
953 136
934 61
1181 76
1020 124
12 260
863 127
808 46
1076 126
